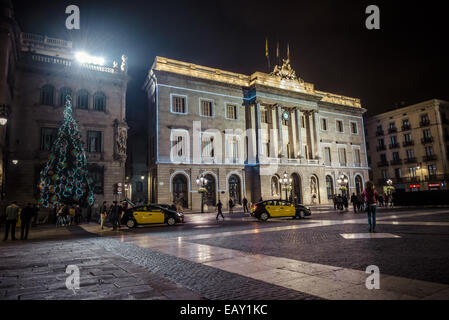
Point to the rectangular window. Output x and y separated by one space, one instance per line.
394 140
207 142
391 125
94 141
339 126
429 150
383 158
342 156
48 137
385 174
263 115
407 137
381 142
327 155
207 108
398 173
426 133
303 122
432 169
405 123
395 155
179 104
234 150
96 172
266 149
412 172
357 158
324 124
231 111
410 153
354 129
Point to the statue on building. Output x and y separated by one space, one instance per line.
124 65
121 136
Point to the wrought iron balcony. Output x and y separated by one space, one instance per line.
429 157
396 162
424 123
426 140
379 133
392 130
382 164
394 145
381 148
406 127
408 143
410 160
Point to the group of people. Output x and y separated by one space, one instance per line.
231 205
385 200
115 214
27 214
66 215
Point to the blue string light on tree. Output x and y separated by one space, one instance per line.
64 178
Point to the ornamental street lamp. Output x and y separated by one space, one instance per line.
343 182
287 184
201 182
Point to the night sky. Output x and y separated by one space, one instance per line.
405 61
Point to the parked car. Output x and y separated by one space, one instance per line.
278 208
150 214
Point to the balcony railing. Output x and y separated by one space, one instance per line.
394 145
408 143
357 164
426 140
406 127
381 148
424 123
382 164
379 133
392 130
396 162
410 160
429 157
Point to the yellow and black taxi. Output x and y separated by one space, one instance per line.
151 214
278 208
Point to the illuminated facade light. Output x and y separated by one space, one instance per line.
83 57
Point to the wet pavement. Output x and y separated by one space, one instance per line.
324 256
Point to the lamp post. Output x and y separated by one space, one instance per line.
343 182
287 182
201 182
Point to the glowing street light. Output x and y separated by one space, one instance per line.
287 182
201 182
83 57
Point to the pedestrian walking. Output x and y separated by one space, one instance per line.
335 201
354 202
360 203
371 195
25 218
60 219
12 214
114 214
219 209
345 202
103 214
71 215
390 199
179 205
231 206
245 204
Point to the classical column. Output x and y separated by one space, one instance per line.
317 135
309 137
298 133
258 132
252 139
281 137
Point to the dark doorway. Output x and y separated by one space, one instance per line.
296 188
180 189
235 189
210 195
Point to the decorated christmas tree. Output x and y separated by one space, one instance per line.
64 179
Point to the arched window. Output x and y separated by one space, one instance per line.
82 101
274 186
47 95
234 188
99 101
358 184
63 93
329 187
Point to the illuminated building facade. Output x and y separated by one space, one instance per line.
39 72
244 133
409 146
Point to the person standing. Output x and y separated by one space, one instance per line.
219 209
370 195
354 202
114 214
77 214
25 217
245 205
12 214
381 201
103 214
231 206
345 202
335 200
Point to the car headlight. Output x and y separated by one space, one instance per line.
179 214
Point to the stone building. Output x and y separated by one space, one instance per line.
409 146
40 72
244 133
